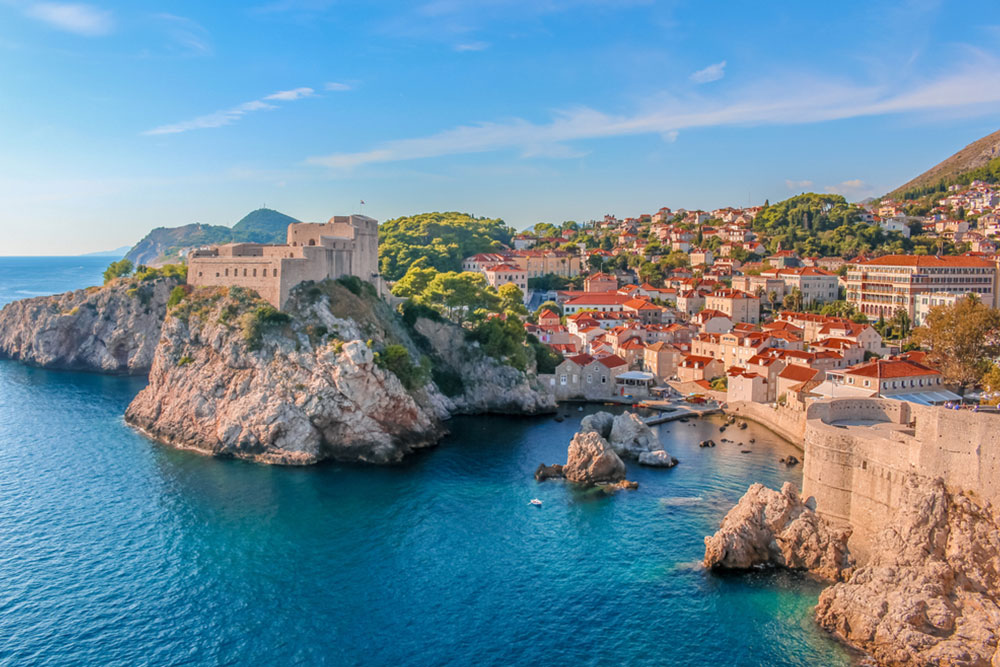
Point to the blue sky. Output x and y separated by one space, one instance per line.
116 117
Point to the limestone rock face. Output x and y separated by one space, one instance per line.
599 422
295 390
591 460
930 593
488 385
112 329
775 528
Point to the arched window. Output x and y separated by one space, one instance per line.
255 273
312 241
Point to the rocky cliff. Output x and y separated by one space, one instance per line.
110 329
338 376
930 592
772 528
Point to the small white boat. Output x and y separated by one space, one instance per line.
536 502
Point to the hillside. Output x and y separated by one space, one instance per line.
976 155
163 244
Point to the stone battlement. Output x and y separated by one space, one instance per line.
858 452
343 246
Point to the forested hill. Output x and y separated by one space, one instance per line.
979 160
163 244
439 240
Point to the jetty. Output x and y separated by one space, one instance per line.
672 410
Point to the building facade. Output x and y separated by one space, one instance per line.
879 287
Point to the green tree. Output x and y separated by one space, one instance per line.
512 300
458 295
901 323
961 339
793 300
119 269
416 280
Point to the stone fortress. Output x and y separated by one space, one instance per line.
858 453
346 245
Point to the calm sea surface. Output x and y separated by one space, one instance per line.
115 550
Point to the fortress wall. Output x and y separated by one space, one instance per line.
787 422
262 274
855 474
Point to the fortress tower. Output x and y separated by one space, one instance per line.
345 245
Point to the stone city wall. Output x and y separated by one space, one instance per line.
787 422
859 451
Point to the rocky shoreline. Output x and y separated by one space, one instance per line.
112 329
928 595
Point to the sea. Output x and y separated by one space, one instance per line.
115 550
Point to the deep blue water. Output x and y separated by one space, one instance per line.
116 550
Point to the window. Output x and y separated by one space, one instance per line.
604 380
227 273
244 273
590 378
562 380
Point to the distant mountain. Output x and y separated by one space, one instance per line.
117 253
166 244
983 154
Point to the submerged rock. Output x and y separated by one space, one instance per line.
544 472
930 592
772 528
591 460
112 329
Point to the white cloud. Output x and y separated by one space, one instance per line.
80 19
798 185
291 95
670 136
229 116
337 87
472 46
853 188
972 90
710 73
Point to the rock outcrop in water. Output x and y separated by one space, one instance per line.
338 376
930 592
629 436
590 460
112 329
771 528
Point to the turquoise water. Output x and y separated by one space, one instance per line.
115 550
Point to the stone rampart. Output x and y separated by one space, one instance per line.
789 423
858 452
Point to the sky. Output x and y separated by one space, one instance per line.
117 117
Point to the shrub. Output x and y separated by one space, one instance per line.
352 283
185 360
177 295
257 320
396 358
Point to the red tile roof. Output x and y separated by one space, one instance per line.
929 261
890 368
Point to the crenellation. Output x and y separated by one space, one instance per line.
345 245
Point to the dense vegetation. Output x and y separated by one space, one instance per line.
442 240
962 339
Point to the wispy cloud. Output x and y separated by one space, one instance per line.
291 95
974 89
710 73
798 185
337 86
231 115
185 34
79 19
852 189
472 46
